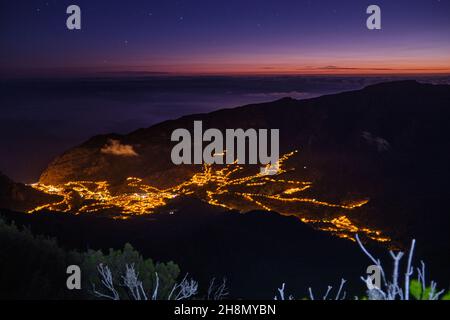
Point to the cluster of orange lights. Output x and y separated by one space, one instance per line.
229 186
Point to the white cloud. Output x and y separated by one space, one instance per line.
114 147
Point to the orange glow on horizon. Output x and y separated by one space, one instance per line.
253 69
308 64
259 66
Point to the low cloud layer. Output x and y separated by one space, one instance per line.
114 147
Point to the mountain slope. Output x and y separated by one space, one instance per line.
386 143
406 114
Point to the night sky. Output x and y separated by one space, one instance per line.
224 37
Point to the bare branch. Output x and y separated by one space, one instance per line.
155 291
107 282
184 290
326 293
340 289
210 288
375 261
409 269
311 296
133 284
393 288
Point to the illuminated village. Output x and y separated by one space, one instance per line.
229 186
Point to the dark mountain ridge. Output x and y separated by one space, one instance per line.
385 143
406 114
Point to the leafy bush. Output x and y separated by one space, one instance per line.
34 267
117 260
419 293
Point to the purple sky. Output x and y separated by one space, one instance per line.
224 37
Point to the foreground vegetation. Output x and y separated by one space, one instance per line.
34 267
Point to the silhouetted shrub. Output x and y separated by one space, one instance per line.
34 267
